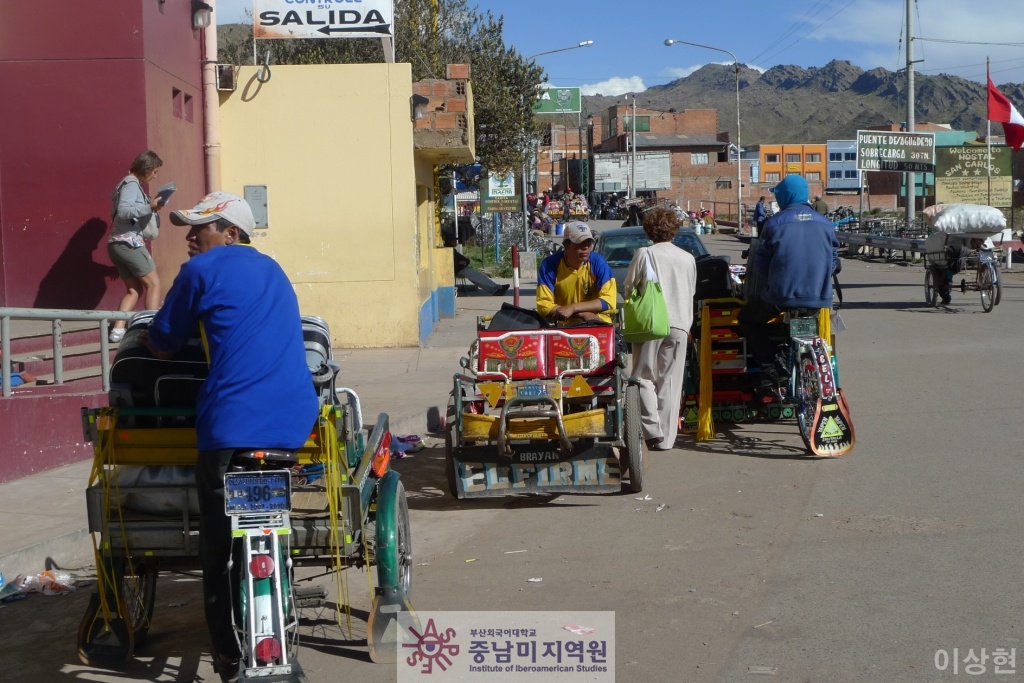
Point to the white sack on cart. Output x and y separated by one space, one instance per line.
975 219
157 502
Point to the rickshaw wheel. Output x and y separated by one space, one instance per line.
632 456
931 294
105 642
987 289
393 537
449 444
138 591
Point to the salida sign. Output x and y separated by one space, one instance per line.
323 19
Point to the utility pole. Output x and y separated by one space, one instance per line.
911 176
632 163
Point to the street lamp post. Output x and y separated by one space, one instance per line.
739 163
526 231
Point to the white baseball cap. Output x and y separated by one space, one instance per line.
215 205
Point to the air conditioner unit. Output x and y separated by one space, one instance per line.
226 77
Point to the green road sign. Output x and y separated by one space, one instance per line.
558 101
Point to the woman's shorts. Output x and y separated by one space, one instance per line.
130 261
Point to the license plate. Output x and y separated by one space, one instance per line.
538 390
257 492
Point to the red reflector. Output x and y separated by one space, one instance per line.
262 566
268 650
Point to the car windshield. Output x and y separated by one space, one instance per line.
618 250
691 243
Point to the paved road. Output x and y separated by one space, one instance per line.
849 570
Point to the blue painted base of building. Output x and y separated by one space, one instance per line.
441 304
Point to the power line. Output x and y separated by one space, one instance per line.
830 18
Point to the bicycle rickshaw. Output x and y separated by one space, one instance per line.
344 505
961 242
541 409
720 382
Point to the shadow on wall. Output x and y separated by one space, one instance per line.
76 280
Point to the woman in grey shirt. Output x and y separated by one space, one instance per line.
127 249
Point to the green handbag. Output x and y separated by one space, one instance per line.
645 315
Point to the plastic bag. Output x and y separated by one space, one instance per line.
50 582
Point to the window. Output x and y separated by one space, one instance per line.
699 159
177 103
189 113
835 156
771 158
850 156
792 158
814 158
643 123
556 156
813 175
771 177
723 184
835 175
611 129
849 174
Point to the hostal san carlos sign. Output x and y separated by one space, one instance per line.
323 19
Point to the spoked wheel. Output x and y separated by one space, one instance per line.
806 392
138 591
931 293
449 444
394 569
633 453
393 538
986 287
111 628
999 288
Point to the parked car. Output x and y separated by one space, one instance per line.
618 245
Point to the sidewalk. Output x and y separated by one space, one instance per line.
45 515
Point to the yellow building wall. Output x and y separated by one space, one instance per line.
333 144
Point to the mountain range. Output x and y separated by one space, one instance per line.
798 105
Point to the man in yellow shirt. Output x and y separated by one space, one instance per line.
576 284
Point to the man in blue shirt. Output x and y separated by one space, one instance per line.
760 215
795 258
259 393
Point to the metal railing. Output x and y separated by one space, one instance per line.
57 316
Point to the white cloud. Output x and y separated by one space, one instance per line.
684 71
617 85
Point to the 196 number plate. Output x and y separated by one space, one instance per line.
257 492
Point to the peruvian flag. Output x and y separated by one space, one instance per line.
1002 111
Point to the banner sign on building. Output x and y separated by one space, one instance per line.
498 194
653 172
879 150
323 19
558 101
962 175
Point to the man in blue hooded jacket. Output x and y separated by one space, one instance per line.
795 258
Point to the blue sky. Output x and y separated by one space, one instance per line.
628 54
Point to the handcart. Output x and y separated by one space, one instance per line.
349 507
962 241
541 409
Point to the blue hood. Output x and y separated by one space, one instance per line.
792 190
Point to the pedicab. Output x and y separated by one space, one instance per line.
961 239
343 504
542 409
722 387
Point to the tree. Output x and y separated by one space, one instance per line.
430 34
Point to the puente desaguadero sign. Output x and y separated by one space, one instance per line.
902 152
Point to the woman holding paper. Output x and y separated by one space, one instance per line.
659 364
132 211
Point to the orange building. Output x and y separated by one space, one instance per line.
778 161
